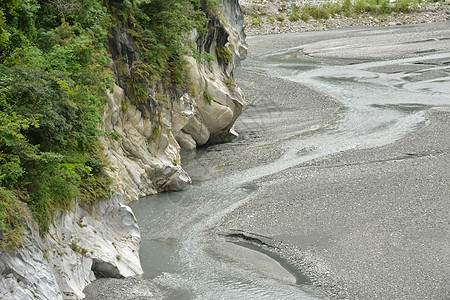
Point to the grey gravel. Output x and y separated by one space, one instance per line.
363 224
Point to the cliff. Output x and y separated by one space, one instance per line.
147 159
103 240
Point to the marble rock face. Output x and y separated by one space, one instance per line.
79 246
146 159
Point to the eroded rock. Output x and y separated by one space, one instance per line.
104 240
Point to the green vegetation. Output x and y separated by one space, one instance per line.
280 18
358 7
294 16
207 97
52 92
76 248
347 8
224 53
305 14
228 80
160 28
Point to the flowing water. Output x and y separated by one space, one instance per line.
178 250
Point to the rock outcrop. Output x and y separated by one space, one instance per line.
80 245
146 160
104 240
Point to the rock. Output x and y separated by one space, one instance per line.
79 243
153 132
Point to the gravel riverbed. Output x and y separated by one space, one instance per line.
364 223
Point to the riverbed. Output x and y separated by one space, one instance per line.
337 187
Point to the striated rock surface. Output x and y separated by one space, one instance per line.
80 246
146 160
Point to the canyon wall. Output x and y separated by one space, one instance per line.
103 240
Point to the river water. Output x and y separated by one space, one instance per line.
179 250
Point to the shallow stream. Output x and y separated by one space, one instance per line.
383 101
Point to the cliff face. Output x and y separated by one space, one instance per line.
104 240
147 159
79 246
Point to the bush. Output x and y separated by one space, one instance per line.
305 13
225 54
52 91
294 16
280 18
318 12
12 214
160 30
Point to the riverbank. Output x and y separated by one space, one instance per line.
274 17
364 223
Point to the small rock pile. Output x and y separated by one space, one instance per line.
271 17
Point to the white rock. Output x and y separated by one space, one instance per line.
60 265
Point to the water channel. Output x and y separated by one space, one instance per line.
178 249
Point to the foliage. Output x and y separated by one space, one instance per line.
161 28
53 79
305 14
357 7
224 53
52 91
12 213
294 16
202 57
280 18
207 97
228 80
212 6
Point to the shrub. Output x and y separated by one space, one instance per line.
318 12
347 7
294 16
12 213
305 13
280 18
224 53
52 91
